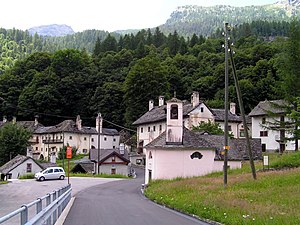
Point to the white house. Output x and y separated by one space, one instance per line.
47 141
273 137
179 152
153 123
18 166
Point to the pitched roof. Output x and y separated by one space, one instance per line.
70 126
30 125
10 165
83 167
238 147
198 140
159 113
190 140
220 115
106 153
265 107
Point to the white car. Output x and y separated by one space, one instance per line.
50 174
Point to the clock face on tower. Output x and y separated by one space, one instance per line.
174 112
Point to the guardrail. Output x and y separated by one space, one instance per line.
54 203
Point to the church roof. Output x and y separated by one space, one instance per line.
200 141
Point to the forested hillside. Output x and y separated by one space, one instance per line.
121 75
205 21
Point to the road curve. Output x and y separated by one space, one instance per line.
121 203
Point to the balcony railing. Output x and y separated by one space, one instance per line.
52 141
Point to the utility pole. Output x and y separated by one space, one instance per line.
99 151
241 105
226 147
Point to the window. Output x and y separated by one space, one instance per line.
29 168
229 128
263 120
150 155
114 139
36 148
114 147
263 147
92 139
105 138
41 149
242 133
84 151
160 127
282 119
142 130
202 109
70 137
113 170
84 138
174 112
264 133
113 159
153 128
148 129
60 137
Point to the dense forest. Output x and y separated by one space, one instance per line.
122 74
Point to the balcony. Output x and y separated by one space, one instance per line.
53 141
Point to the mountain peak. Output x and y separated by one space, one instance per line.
52 30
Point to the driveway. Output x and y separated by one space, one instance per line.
18 192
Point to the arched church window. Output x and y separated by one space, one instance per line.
174 112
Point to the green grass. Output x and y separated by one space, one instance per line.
3 182
27 176
271 199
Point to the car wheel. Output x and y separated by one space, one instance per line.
42 178
62 177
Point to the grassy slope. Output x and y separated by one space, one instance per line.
274 198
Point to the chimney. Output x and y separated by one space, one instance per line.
195 99
14 120
174 132
99 123
161 100
78 123
151 105
36 121
232 107
4 119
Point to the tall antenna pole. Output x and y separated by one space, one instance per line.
226 147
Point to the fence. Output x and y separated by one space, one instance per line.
47 208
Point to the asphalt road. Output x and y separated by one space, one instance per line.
18 192
121 202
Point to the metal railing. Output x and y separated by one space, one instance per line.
54 203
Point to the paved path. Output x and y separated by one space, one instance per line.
121 202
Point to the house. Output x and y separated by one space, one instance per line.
110 161
48 140
273 137
18 166
180 152
84 167
153 123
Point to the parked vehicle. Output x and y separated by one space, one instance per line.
50 174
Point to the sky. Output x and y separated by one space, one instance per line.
108 15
